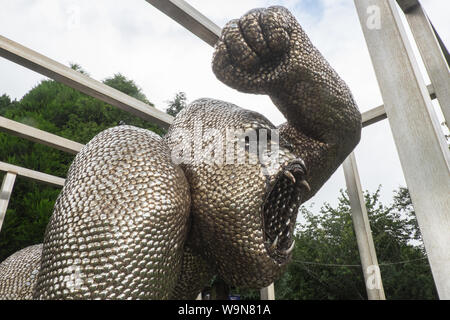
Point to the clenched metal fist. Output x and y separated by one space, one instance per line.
142 217
259 51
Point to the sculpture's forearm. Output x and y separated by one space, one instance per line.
267 52
323 123
319 104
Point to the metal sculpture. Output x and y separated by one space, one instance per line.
143 217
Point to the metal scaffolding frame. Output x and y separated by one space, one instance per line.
421 146
423 152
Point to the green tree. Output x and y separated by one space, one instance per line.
178 103
127 86
77 67
56 108
326 263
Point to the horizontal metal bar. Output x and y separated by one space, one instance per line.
441 44
379 113
373 116
40 136
31 174
190 18
37 62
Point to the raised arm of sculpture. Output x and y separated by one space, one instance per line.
151 218
244 215
267 52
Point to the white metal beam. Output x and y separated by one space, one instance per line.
378 113
373 115
268 293
432 56
40 136
5 194
35 61
363 233
31 174
421 146
190 18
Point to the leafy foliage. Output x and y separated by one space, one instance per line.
56 108
177 104
326 262
121 83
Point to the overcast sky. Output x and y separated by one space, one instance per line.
135 39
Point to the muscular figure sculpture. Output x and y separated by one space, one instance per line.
144 217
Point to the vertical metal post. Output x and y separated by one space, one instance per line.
5 194
432 56
367 253
421 146
268 293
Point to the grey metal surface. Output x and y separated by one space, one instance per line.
33 60
432 56
39 136
423 153
407 5
268 293
190 18
366 248
441 44
379 113
5 194
31 174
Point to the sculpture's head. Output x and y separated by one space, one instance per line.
244 205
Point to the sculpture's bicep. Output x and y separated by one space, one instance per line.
120 222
